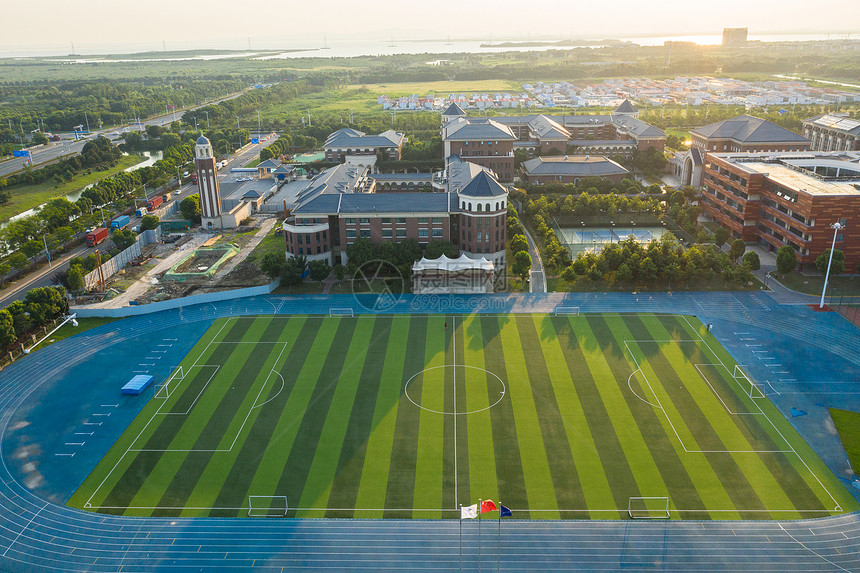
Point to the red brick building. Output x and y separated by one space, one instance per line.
778 199
483 141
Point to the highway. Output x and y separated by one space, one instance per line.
68 146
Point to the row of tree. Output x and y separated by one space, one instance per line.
39 308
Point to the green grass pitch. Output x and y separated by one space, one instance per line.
410 416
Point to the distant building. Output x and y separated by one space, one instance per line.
567 169
221 212
786 198
735 36
744 133
832 132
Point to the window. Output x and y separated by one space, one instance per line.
365 233
479 207
307 239
350 221
318 249
400 220
350 233
387 233
386 220
318 237
436 232
423 220
401 233
423 233
301 251
364 221
479 237
437 220
324 235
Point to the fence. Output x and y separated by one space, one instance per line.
113 265
11 355
177 302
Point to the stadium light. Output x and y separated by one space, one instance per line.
71 318
836 228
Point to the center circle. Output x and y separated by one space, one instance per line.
440 380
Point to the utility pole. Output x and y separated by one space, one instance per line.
207 117
259 125
309 117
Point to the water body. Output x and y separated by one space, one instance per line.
151 158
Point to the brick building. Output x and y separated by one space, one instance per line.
343 204
784 198
744 133
570 169
357 148
483 141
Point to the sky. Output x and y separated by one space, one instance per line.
52 25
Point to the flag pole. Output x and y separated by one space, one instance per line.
479 534
499 542
461 537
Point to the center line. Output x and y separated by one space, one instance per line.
454 348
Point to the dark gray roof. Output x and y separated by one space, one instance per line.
634 126
345 204
481 129
600 142
269 164
637 127
203 141
696 156
573 166
483 185
454 109
626 107
545 128
351 138
749 129
282 168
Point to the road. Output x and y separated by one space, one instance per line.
44 276
68 146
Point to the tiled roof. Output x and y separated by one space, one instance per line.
749 129
836 123
626 107
573 166
454 109
482 129
483 185
351 138
269 164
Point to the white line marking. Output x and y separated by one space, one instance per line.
69 455
84 433
110 405
75 443
29 523
92 423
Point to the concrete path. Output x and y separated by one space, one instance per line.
537 277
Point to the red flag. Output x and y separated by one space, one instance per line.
488 505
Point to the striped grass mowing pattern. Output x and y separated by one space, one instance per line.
411 416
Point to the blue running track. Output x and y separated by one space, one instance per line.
68 394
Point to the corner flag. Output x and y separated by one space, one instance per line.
469 512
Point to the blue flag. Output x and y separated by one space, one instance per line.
504 511
783 111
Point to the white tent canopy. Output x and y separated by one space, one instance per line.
461 263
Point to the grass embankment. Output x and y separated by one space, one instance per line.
848 426
26 197
68 330
812 284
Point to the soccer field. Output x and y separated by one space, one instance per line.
571 417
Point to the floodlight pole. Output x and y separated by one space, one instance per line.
836 228
71 317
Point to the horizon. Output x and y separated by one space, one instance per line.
97 27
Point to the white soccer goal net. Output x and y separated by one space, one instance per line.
749 387
267 506
340 312
566 310
648 507
166 388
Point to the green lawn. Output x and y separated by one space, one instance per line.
68 330
836 286
848 425
26 197
411 416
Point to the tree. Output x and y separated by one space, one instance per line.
32 248
7 328
737 249
123 238
519 243
751 261
786 261
190 208
291 272
624 274
18 260
436 249
272 264
339 272
361 251
677 198
836 267
45 303
75 279
721 235
522 264
148 222
319 270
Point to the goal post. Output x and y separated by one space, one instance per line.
165 389
566 310
267 506
750 388
340 312
648 507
